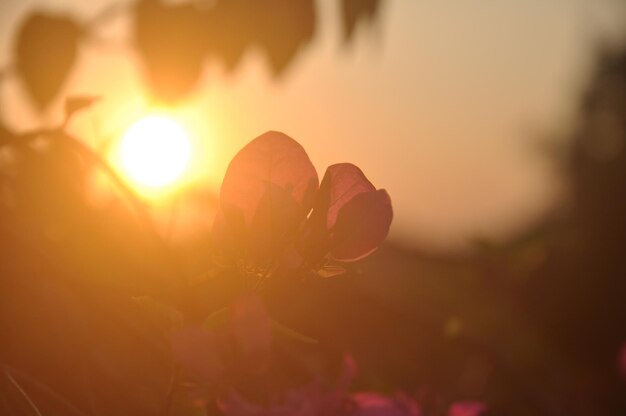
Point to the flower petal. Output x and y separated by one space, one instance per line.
362 225
469 408
267 192
341 183
273 159
376 404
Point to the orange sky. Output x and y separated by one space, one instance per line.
442 105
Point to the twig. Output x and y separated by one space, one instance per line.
44 389
24 395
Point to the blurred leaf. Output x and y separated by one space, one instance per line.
217 318
6 135
362 225
285 27
195 348
45 51
331 271
170 39
250 324
356 11
231 29
78 103
281 331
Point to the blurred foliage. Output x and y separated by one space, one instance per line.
355 11
175 39
90 295
45 51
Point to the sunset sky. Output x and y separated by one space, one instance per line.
444 103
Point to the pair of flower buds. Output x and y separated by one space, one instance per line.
274 209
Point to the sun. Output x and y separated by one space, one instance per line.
155 151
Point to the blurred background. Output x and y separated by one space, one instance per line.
459 98
496 127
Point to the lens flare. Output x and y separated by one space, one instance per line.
155 151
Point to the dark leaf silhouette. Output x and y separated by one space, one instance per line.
250 323
5 135
285 27
45 51
231 29
270 183
170 42
75 104
356 11
362 225
281 331
280 28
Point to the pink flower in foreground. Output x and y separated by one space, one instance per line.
268 192
375 404
468 408
313 400
309 400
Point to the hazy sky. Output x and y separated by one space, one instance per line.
442 104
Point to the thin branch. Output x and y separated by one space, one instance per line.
44 389
24 395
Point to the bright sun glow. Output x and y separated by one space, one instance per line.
155 151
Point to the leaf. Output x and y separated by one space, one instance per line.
6 135
169 39
195 348
331 271
217 318
267 192
231 29
78 103
285 27
250 325
362 225
45 51
282 331
356 11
